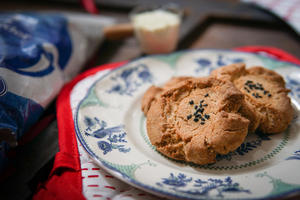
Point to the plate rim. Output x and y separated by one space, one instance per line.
133 182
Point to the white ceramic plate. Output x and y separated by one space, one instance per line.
111 127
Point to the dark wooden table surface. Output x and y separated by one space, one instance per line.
207 24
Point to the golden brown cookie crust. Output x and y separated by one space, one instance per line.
197 119
154 91
267 104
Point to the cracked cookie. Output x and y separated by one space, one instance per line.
196 119
267 104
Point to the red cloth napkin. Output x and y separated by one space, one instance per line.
65 181
272 51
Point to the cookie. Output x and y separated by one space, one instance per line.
197 119
267 104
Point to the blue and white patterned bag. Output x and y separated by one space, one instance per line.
39 52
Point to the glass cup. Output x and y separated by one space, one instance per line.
157 28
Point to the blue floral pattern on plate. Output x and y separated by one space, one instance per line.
128 80
200 187
205 63
111 137
294 85
295 156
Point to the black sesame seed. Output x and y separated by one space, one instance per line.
269 95
201 101
206 116
202 119
201 110
191 102
204 105
248 82
189 117
206 95
198 116
202 123
196 119
196 107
